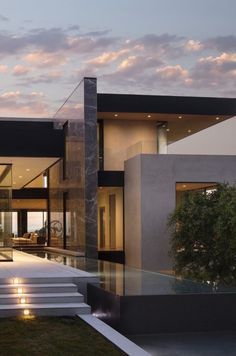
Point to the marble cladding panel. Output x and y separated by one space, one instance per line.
90 111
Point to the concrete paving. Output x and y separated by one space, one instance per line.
26 266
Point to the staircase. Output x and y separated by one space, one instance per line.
41 296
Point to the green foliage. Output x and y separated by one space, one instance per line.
203 244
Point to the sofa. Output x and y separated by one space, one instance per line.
27 238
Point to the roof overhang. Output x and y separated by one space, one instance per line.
181 116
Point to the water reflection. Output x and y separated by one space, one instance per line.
123 280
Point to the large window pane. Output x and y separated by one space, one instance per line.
36 221
110 218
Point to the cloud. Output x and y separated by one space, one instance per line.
10 95
43 59
193 46
97 33
218 73
3 68
51 77
3 18
53 40
172 73
134 65
221 43
19 70
165 45
15 103
107 57
86 44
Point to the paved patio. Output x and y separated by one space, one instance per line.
26 266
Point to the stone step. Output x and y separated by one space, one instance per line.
38 298
36 280
56 309
38 288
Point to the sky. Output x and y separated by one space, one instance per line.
168 47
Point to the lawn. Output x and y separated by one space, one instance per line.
44 336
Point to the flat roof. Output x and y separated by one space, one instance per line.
181 116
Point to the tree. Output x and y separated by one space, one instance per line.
203 229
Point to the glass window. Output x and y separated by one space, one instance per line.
15 223
36 221
110 218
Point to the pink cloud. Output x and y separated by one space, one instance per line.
108 57
43 59
172 72
3 68
19 70
15 103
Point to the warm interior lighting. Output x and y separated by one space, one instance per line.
180 117
16 281
26 312
167 130
116 115
189 131
149 116
217 118
19 290
184 186
27 169
45 181
22 300
20 176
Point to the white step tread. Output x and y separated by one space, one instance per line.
32 295
2 286
43 306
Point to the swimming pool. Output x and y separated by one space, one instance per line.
124 281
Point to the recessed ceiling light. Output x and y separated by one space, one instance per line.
14 183
116 115
164 126
149 116
217 118
189 131
184 186
20 176
167 130
180 117
27 169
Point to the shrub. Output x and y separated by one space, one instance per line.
203 229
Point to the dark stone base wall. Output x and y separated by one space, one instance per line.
164 313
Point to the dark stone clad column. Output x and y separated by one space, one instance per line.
90 121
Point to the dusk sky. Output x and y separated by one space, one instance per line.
174 47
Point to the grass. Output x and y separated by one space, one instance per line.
59 336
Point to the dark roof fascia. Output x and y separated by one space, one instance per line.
166 104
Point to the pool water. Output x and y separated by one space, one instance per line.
123 280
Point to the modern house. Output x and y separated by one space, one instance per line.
99 176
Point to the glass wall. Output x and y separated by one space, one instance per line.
36 221
5 212
182 187
110 218
73 180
